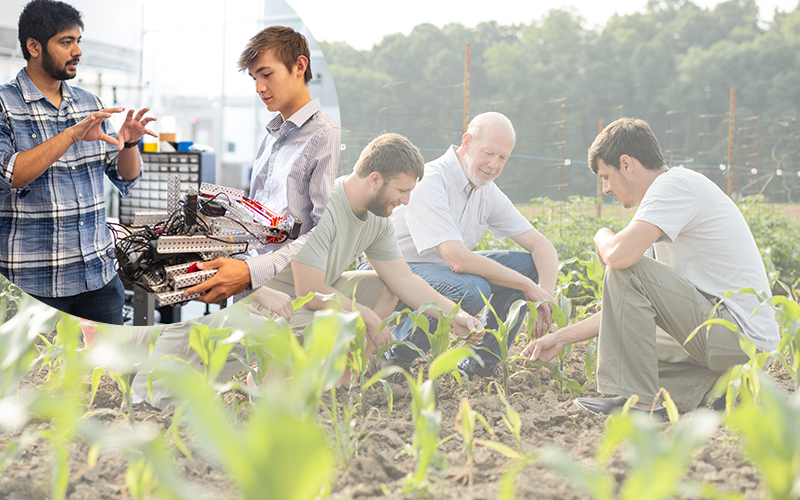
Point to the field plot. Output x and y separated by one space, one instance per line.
69 429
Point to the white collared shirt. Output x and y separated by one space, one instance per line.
444 207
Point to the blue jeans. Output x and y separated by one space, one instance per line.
467 289
103 305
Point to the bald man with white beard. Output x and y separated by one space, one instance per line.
448 213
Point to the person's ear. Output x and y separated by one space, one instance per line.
375 180
301 65
625 163
466 140
34 47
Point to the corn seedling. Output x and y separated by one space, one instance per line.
502 333
344 427
657 462
788 314
513 422
464 423
740 381
439 340
280 440
212 348
771 427
428 421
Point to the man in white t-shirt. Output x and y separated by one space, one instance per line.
702 249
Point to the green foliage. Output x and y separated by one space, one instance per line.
211 348
464 424
347 435
279 439
10 298
774 447
657 462
502 332
788 315
672 56
427 420
778 238
513 422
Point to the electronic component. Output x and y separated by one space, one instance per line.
161 252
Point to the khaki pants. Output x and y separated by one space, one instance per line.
648 312
174 338
367 285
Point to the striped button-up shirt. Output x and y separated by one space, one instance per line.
293 174
444 207
54 241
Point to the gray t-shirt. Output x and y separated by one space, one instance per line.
707 241
339 238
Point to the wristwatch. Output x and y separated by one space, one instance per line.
132 144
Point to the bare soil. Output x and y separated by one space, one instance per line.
548 415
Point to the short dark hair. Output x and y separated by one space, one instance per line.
286 43
626 136
44 19
390 155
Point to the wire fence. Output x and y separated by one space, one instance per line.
554 135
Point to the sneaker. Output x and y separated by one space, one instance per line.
494 371
398 377
606 406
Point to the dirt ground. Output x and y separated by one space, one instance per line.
548 418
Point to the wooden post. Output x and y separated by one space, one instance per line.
465 121
600 128
730 142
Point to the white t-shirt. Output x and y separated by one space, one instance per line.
707 241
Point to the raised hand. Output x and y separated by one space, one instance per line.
90 128
134 128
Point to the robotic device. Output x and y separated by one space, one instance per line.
161 252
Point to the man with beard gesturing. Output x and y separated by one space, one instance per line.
55 147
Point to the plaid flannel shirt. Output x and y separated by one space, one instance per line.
54 241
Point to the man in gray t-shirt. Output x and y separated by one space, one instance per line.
702 249
355 221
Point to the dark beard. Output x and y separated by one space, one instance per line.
378 205
52 70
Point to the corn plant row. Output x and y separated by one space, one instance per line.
282 438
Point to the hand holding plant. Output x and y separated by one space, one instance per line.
543 349
468 328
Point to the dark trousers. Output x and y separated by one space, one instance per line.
103 305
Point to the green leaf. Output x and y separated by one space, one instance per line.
447 362
598 485
500 448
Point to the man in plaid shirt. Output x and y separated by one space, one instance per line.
55 146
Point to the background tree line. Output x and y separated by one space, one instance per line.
673 56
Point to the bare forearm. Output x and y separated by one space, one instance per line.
371 319
29 165
545 258
583 330
129 163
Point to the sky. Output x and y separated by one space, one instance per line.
363 23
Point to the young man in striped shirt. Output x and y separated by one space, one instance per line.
293 175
